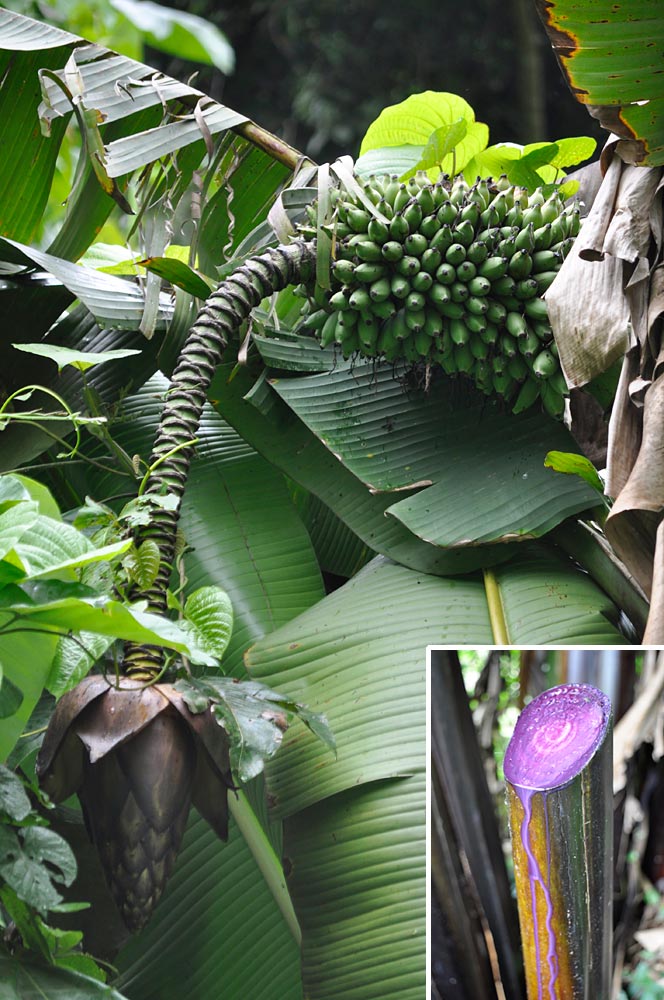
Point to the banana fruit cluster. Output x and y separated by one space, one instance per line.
451 274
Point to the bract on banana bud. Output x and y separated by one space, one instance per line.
137 758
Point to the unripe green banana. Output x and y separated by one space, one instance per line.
434 323
465 233
493 268
358 219
399 228
415 244
426 201
470 213
343 271
455 254
496 312
517 368
490 332
429 226
525 239
422 341
463 358
446 274
559 383
536 309
544 365
412 213
367 250
544 280
400 286
378 231
338 302
516 325
504 384
546 260
442 240
543 237
476 323
367 331
379 291
392 251
503 286
431 260
415 319
553 402
466 270
530 345
415 301
421 282
408 266
401 198
328 333
459 291
439 295
367 273
479 286
459 190
477 252
315 320
383 310
528 394
459 332
520 265
508 345
359 300
477 305
390 189
526 289
447 213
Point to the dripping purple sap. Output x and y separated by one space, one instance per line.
555 739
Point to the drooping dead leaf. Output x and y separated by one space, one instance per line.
607 271
632 524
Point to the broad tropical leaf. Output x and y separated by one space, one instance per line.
273 430
610 55
488 468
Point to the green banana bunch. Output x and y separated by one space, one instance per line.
447 273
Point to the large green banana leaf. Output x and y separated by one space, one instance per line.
488 468
273 430
611 56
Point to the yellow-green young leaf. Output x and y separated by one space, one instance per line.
208 614
180 274
571 151
575 465
77 359
414 121
142 563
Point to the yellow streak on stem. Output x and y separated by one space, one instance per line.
496 609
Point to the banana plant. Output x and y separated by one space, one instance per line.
381 481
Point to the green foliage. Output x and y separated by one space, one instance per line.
254 716
35 862
437 132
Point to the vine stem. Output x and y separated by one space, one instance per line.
215 326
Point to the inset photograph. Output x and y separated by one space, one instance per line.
547 824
